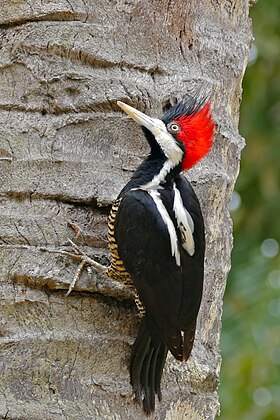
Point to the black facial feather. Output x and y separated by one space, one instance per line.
186 108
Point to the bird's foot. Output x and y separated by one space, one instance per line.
101 282
84 261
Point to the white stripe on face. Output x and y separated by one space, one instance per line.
167 142
171 150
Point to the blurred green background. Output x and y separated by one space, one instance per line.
250 379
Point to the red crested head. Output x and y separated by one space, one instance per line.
197 131
192 124
183 136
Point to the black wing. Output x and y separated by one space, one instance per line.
171 294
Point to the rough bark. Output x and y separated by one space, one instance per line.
65 152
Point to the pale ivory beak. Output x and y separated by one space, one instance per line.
152 124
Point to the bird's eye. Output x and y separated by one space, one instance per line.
173 127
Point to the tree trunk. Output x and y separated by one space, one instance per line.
65 153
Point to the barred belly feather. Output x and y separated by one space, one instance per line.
116 271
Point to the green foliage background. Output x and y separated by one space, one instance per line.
250 380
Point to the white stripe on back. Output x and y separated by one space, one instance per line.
184 222
169 224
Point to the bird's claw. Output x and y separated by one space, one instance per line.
84 260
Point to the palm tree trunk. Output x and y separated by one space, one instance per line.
65 153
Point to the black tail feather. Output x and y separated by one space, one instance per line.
148 389
139 351
152 375
160 362
146 367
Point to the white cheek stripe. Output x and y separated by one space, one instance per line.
173 153
184 222
169 224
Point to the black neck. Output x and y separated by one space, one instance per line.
151 166
148 169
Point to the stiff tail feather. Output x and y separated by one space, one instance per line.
146 366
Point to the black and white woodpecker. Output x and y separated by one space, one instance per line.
157 242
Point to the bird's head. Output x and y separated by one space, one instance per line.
184 134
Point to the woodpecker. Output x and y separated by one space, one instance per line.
157 241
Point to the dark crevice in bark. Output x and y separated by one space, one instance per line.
91 202
49 17
54 109
77 54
